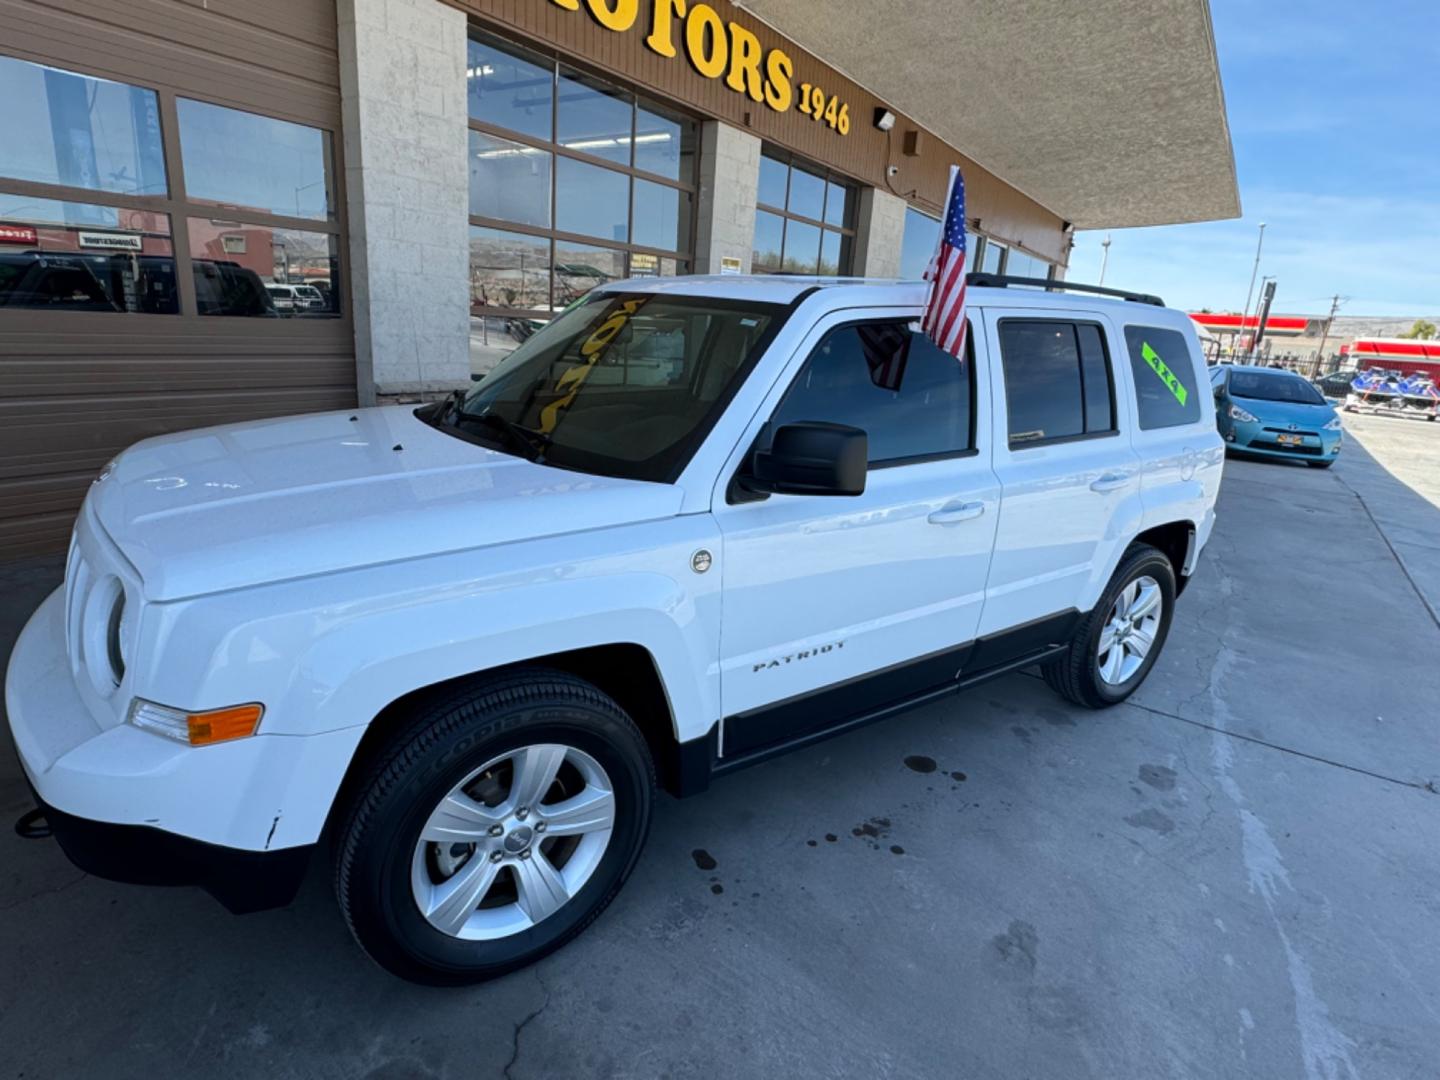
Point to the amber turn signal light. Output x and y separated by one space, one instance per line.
221 725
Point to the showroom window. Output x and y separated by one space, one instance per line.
91 203
1022 264
574 182
805 219
917 243
990 256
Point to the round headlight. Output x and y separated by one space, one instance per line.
102 619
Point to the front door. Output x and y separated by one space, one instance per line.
835 606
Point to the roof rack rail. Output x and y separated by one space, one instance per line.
1001 281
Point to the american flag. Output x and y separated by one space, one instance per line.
944 321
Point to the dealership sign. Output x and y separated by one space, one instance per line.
18 234
110 241
719 49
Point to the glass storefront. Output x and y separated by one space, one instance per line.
917 247
259 224
574 182
1023 264
804 221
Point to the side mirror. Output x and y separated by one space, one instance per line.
813 458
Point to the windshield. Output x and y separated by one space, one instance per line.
1263 386
624 384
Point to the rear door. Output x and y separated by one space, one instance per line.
1069 476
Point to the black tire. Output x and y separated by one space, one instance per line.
1320 464
1074 674
447 739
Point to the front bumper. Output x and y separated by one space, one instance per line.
244 881
237 818
1263 439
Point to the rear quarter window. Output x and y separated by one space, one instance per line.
1164 374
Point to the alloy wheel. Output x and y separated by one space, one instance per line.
1129 631
513 842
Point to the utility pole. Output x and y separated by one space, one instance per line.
1325 334
1244 315
1104 258
1267 297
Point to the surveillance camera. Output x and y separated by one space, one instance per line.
892 170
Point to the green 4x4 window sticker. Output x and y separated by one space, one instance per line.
1166 375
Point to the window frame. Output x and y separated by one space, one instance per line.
179 209
684 256
768 429
827 176
1058 440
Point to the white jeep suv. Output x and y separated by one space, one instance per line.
690 524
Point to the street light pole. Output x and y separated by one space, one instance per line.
1250 291
1104 258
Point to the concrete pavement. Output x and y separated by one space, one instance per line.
1235 874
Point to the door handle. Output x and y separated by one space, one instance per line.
954 514
1110 482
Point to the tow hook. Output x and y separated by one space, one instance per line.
32 825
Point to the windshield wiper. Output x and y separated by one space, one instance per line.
531 443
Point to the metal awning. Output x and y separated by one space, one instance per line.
1110 113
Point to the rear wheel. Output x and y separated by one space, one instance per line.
1116 645
499 825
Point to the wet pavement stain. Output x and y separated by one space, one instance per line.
830 838
1158 777
809 843
872 831
1152 819
703 859
920 763
896 849
717 888
959 776
1021 733
1016 947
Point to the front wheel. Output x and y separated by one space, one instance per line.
1116 645
498 825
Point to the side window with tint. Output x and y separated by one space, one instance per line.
911 399
1058 383
1165 387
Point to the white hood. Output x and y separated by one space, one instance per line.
226 507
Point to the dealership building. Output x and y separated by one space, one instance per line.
221 210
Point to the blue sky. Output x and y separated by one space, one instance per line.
1335 118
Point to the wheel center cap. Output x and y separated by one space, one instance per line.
519 839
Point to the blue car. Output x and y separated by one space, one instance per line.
1275 413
